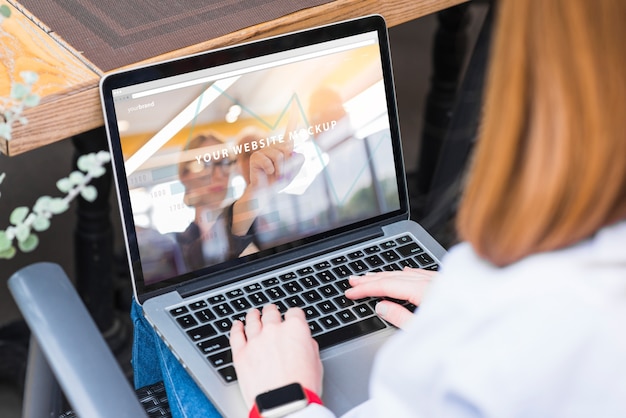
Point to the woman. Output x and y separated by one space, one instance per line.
526 317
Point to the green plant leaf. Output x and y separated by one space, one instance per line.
18 215
97 171
22 232
42 204
41 223
31 100
19 91
29 244
76 177
5 11
85 162
29 77
64 185
5 131
5 242
58 206
103 156
8 253
89 193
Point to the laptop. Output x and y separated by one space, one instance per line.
182 134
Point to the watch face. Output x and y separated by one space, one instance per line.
279 397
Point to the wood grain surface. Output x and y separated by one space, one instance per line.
68 82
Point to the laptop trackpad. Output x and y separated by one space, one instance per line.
347 373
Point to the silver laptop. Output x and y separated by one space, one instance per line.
181 134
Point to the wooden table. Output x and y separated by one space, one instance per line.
68 83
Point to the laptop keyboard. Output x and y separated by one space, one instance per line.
317 288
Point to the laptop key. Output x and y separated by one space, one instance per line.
310 312
322 266
292 287
388 244
312 296
315 327
424 259
198 305
358 266
223 309
363 310
275 293
186 321
374 261
343 302
205 315
309 282
270 282
405 239
287 276
201 333
241 304
339 260
390 255
371 250
326 307
346 316
305 271
223 324
258 299
343 285
349 332
235 293
328 290
342 271
213 345
254 287
410 249
221 359
326 276
295 301
228 374
179 311
216 299
409 262
329 322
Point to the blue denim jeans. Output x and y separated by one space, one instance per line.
153 362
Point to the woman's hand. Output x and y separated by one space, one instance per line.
269 353
408 284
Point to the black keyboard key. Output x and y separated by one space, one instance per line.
434 267
186 321
328 290
339 260
235 293
202 333
221 359
343 285
343 302
346 316
374 261
287 276
292 287
409 262
310 312
326 307
223 324
424 259
205 315
372 250
258 299
342 271
179 311
363 310
329 322
388 244
294 301
322 266
223 309
270 282
405 239
275 293
305 271
392 267
355 254
309 282
390 255
326 276
410 250
228 374
213 345
251 288
348 332
358 266
216 299
315 327
241 316
282 308
198 305
241 304
311 296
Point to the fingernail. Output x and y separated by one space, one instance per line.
382 309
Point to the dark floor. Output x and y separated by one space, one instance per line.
35 173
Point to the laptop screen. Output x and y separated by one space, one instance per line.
299 128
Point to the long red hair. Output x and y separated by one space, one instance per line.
549 168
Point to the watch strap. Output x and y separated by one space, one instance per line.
311 397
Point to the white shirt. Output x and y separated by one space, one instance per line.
543 337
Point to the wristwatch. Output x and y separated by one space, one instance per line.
283 401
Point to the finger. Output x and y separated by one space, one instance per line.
253 323
295 314
392 312
395 285
237 337
270 315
